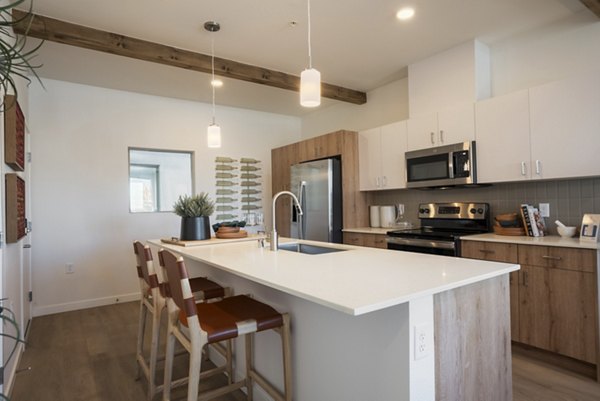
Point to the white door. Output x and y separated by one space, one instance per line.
565 128
26 260
503 151
393 148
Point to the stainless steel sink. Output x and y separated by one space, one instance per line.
308 249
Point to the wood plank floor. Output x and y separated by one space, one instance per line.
89 355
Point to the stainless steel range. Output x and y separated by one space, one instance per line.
442 225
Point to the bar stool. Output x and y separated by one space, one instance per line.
153 300
196 325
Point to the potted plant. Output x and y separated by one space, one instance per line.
15 58
195 214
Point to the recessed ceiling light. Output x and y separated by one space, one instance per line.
217 83
405 13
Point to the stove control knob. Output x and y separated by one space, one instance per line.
427 211
421 211
480 210
473 211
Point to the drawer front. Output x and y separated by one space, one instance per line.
375 241
583 260
354 239
492 251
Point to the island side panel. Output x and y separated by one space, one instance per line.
335 356
472 342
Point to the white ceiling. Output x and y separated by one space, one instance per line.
358 44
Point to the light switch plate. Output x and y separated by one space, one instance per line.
545 209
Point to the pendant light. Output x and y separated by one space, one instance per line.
213 134
310 79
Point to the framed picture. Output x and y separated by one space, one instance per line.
16 224
590 227
14 134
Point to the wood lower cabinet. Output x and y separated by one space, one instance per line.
363 239
499 252
281 160
553 298
558 305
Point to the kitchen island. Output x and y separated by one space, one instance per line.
363 320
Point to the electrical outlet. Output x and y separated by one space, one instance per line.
423 340
69 268
545 209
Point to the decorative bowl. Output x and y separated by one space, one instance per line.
566 232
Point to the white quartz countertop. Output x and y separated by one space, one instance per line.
357 281
551 240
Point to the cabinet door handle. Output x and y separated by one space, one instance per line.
526 279
538 167
487 251
378 182
523 168
551 257
384 181
432 138
442 136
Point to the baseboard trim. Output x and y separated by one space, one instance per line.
38 310
574 365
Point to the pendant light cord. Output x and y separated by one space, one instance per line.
212 82
309 46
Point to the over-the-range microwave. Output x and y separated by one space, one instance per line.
442 166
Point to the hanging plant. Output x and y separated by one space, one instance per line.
15 59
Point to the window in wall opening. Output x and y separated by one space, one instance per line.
157 178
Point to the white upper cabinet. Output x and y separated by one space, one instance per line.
381 157
565 128
503 150
446 127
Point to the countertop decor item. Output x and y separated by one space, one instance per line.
374 214
566 232
195 214
590 228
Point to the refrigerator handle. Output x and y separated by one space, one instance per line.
302 199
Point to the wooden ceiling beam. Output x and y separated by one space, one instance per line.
77 35
593 5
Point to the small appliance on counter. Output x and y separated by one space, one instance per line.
375 216
387 216
442 225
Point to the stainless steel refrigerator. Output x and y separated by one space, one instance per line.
318 186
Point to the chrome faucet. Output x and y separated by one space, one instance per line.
274 237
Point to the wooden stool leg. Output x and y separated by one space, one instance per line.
287 357
194 373
169 355
154 351
229 357
140 339
249 364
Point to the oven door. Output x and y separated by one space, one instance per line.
419 245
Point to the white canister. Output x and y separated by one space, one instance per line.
374 216
387 216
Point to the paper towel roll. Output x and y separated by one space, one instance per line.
387 216
374 213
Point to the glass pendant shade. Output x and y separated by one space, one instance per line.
213 137
310 88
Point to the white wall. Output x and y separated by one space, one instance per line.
386 104
565 48
80 181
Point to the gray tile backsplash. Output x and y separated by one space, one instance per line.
568 199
